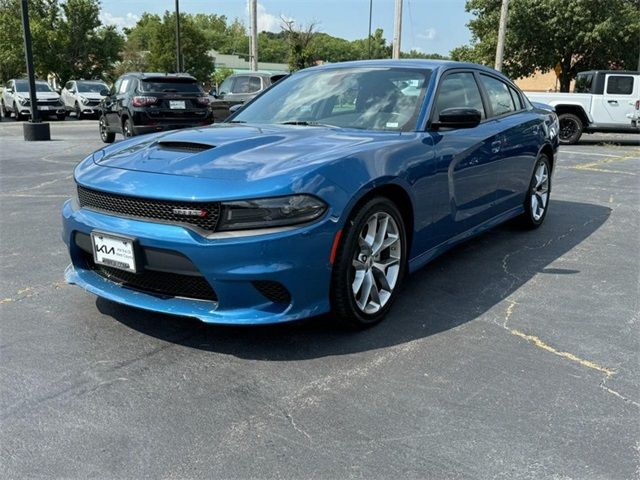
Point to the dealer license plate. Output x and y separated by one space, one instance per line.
177 104
114 251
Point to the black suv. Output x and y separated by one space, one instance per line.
150 102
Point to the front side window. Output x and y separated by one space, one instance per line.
459 90
499 96
620 85
368 98
225 87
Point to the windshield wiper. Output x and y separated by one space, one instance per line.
304 123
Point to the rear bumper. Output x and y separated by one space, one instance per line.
145 123
298 259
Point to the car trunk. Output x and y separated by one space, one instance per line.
177 99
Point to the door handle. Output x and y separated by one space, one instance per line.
496 146
613 102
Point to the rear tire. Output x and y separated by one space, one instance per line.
570 128
536 204
370 264
105 136
127 128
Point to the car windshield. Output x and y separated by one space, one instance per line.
369 98
23 86
91 87
170 85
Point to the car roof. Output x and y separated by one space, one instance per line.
435 65
150 75
624 72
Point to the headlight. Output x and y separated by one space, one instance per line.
82 99
22 100
270 212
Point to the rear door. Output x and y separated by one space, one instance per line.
516 144
618 99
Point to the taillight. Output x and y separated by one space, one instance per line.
203 100
637 104
143 101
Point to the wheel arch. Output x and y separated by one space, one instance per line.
576 110
399 195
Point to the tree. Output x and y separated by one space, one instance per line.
301 48
157 35
576 34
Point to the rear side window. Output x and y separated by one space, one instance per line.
123 85
499 96
620 85
583 83
517 100
246 84
459 90
169 85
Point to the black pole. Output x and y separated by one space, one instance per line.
178 63
33 130
370 11
28 53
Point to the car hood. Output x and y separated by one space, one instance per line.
91 96
41 95
237 152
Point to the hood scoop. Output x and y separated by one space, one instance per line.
190 147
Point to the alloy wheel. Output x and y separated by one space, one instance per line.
568 128
540 191
103 128
376 263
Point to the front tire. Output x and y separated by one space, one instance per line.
536 204
5 113
370 264
78 111
570 128
105 135
17 114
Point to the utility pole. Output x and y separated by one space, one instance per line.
178 50
369 37
502 32
253 12
397 30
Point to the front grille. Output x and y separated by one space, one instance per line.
149 208
159 283
273 291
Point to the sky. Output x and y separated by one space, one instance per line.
430 26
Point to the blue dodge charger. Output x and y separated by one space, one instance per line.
319 195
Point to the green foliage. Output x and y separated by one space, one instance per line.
220 75
68 40
577 34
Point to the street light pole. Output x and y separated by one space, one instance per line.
397 30
34 129
178 50
253 13
502 32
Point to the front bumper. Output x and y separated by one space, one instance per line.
297 258
43 109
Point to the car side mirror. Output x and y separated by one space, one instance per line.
213 92
104 92
458 118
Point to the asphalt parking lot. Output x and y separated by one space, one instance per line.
513 356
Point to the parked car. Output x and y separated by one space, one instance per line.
239 88
308 201
601 102
151 102
15 100
82 97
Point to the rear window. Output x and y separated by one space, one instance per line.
170 85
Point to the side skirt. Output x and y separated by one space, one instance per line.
424 258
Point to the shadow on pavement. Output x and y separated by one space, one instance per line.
454 289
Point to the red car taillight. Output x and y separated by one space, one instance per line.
203 100
143 101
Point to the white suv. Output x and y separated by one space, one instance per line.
83 96
15 99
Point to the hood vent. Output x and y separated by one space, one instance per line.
185 146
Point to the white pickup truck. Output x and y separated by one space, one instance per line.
603 101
